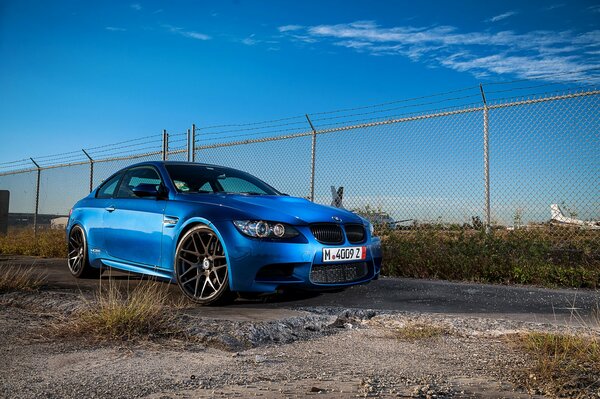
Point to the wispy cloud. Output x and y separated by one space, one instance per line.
114 29
554 6
525 55
289 28
187 33
502 16
136 6
250 40
196 35
594 8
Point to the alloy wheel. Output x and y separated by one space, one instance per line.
201 265
77 251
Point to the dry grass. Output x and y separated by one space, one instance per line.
14 278
143 313
47 243
418 331
566 365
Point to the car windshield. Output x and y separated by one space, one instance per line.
212 179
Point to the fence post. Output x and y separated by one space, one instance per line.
486 161
312 159
91 169
37 198
165 145
189 148
193 142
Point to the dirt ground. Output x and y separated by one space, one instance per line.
318 352
290 350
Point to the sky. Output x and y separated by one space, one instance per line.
81 74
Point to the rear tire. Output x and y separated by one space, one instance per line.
77 255
201 267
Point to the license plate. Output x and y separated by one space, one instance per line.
344 254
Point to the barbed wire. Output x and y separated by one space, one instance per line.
250 123
459 90
254 134
531 96
146 149
124 142
57 155
303 122
487 92
263 128
24 160
541 77
62 161
395 108
108 150
390 117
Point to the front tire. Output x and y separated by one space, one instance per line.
201 267
77 258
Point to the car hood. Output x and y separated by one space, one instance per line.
291 210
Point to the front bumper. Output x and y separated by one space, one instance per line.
257 265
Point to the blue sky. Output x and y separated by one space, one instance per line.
78 74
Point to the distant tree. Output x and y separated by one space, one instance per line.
518 218
476 222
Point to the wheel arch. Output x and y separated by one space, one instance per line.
198 221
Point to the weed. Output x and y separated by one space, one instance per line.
47 243
14 278
417 331
522 257
114 315
564 364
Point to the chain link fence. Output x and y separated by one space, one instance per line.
406 172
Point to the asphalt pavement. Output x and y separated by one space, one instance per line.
522 303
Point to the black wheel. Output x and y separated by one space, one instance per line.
77 260
201 267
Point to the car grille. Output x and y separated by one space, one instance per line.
355 233
327 233
340 273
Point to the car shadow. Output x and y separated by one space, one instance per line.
284 297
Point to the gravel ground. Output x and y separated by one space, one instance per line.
318 351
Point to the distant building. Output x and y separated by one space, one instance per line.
59 223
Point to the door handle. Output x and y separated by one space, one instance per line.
110 208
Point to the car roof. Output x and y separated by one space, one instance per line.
166 163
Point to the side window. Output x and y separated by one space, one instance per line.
135 177
108 188
206 188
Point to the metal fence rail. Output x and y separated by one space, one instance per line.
485 165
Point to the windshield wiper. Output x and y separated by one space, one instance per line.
251 193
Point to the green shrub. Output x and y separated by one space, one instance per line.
524 256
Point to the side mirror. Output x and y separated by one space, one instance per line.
146 190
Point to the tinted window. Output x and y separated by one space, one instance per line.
209 179
135 177
108 188
237 185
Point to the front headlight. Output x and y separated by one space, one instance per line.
262 229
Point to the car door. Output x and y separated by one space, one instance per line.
133 225
95 213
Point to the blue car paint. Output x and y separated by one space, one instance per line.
135 236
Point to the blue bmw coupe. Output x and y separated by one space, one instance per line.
217 231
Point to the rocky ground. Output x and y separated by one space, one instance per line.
313 351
